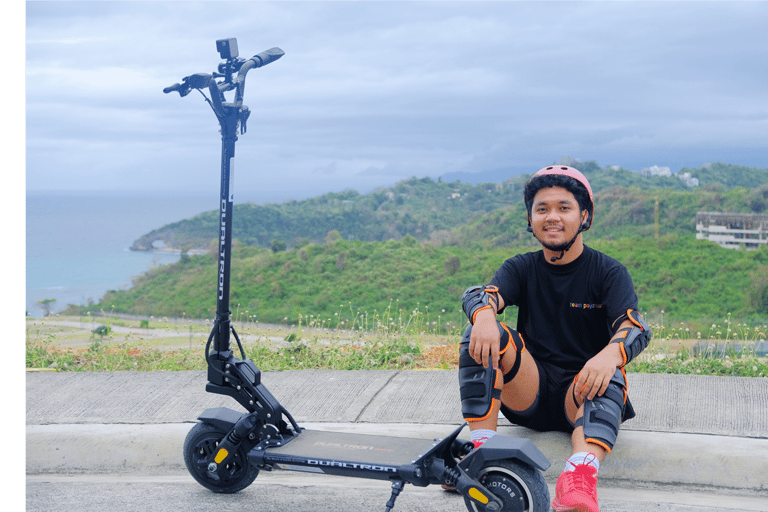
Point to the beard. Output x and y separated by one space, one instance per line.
556 247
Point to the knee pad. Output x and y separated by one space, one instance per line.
480 386
603 414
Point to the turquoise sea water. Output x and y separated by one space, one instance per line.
77 242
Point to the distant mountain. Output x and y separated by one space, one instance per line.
489 176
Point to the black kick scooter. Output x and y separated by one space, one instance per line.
226 450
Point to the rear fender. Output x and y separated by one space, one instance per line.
501 447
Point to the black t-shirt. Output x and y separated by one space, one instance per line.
566 311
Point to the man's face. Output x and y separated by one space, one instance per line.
555 217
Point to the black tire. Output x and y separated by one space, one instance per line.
519 486
200 443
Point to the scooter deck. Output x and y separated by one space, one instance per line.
357 448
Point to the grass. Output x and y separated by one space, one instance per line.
722 347
392 340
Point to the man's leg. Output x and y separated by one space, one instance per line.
597 421
575 412
516 383
597 426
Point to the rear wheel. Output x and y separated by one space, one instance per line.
201 443
520 487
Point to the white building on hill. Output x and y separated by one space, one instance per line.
655 170
733 230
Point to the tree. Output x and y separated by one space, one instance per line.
46 305
452 265
333 236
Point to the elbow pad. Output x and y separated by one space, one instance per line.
477 298
632 340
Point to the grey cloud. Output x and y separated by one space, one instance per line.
372 92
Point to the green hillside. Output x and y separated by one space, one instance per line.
416 207
619 213
406 253
429 210
404 280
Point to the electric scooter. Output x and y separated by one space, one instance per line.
226 449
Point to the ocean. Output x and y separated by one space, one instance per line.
77 243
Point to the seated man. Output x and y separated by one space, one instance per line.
577 327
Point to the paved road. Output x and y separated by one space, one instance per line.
295 492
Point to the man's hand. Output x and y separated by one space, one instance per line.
594 378
484 341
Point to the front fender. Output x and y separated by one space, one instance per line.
220 417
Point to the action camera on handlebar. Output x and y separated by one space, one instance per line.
227 48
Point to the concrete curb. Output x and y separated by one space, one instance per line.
641 458
135 423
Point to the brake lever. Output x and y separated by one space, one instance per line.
243 115
196 81
182 90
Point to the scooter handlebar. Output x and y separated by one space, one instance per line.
203 80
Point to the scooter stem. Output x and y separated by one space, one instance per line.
223 323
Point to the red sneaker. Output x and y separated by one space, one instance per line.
576 491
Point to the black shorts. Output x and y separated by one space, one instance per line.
548 411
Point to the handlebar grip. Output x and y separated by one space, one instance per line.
174 87
266 57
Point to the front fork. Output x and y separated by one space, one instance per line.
264 423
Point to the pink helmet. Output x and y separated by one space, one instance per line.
567 171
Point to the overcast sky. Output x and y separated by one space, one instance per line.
369 93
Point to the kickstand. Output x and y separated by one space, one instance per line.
396 488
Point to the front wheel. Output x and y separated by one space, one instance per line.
520 487
201 443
